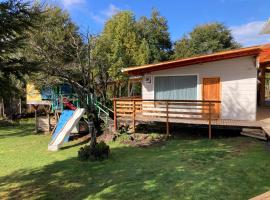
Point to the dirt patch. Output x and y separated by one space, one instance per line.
106 137
242 147
144 140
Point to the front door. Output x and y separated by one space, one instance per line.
211 92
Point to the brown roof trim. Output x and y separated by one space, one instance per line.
140 70
264 57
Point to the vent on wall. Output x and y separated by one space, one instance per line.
148 79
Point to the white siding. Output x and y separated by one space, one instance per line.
238 85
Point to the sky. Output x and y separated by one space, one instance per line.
245 18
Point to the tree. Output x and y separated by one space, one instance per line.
65 56
124 42
143 53
119 45
16 19
101 66
155 32
51 43
205 39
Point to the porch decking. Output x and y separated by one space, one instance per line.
137 111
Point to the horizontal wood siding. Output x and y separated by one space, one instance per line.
238 78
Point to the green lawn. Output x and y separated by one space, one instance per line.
228 168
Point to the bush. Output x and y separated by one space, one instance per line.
125 138
99 152
123 129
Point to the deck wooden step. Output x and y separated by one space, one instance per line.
255 133
266 130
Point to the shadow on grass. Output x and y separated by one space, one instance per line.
178 170
84 141
17 130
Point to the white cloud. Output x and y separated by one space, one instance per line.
110 11
105 14
250 34
68 3
97 18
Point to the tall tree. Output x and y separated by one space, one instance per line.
156 34
66 56
16 19
143 53
51 41
121 43
101 66
205 39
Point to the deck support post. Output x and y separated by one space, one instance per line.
114 115
134 115
210 125
262 87
167 119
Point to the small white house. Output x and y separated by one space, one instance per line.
235 78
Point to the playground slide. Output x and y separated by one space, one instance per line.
68 120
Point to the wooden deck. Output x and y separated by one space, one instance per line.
216 122
185 112
263 120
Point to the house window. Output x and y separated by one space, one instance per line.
176 87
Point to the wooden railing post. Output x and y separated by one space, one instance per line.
115 115
167 119
134 115
36 118
209 116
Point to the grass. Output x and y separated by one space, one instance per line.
224 168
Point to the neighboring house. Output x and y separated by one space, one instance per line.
234 81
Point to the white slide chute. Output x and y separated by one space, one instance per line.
68 120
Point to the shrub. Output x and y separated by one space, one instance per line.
123 129
125 138
99 152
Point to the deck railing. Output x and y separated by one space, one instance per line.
134 109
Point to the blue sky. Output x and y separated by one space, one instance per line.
244 17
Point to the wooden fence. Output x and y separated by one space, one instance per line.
177 111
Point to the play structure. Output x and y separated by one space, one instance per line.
63 112
68 120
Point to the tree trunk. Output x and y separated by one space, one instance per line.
92 116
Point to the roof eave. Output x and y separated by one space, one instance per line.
191 61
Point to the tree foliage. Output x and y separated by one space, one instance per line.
121 36
16 18
125 42
155 32
205 39
52 44
65 56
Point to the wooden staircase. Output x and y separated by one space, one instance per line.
254 133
